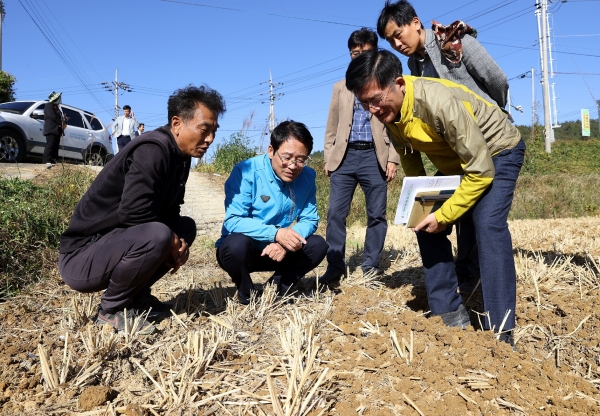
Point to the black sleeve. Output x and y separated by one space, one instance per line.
51 116
145 169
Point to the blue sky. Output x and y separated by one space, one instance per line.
231 45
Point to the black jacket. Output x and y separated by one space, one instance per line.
145 182
52 120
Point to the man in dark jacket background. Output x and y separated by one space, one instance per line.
53 127
127 232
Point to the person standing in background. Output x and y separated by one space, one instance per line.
357 152
140 130
54 127
125 127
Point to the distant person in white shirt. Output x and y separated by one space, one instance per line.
125 127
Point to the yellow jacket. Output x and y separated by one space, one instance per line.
458 131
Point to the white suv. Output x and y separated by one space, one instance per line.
22 128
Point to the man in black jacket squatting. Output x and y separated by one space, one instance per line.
127 232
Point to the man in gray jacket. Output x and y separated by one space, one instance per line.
357 151
125 127
475 69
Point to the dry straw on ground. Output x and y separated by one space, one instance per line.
366 348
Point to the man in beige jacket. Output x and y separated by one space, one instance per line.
357 151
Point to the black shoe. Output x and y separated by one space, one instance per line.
244 298
373 271
460 317
508 338
117 321
287 292
331 276
149 302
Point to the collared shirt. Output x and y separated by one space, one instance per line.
126 127
361 124
426 67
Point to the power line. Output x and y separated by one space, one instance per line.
268 14
55 43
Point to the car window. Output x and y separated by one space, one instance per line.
73 118
94 122
16 107
41 106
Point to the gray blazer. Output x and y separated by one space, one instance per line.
337 131
477 70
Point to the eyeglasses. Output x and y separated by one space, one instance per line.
375 103
289 161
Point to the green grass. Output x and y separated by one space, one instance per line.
32 217
561 184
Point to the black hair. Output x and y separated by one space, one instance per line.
141 124
183 102
291 129
126 107
362 37
401 12
382 65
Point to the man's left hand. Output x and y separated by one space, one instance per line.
275 252
178 254
391 171
430 224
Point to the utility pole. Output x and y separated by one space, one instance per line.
1 20
598 105
114 86
272 98
532 104
555 123
541 11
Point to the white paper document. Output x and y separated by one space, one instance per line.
413 184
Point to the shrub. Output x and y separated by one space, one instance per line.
231 152
32 218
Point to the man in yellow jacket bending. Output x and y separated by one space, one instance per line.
461 133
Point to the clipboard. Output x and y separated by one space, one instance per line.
425 203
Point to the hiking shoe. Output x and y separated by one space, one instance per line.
508 338
244 298
117 321
330 277
460 317
287 292
372 272
149 302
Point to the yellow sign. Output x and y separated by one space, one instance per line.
585 123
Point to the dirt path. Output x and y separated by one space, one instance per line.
204 198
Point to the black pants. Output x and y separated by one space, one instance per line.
239 257
126 262
51 149
122 141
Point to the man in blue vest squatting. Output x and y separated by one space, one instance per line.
264 196
461 133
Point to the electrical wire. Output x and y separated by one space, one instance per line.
55 43
268 14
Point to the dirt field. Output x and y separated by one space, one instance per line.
368 349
